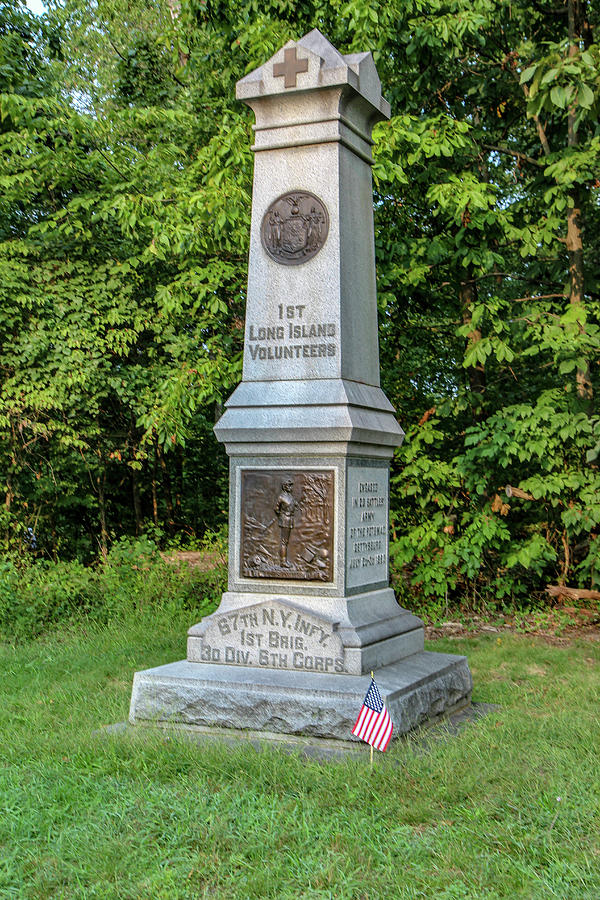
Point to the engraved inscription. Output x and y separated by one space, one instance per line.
287 524
294 228
367 526
277 341
273 635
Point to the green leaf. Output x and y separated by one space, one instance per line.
528 73
558 96
549 76
585 96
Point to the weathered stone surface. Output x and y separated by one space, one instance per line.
308 612
339 543
278 634
422 687
373 630
323 128
273 634
367 524
316 321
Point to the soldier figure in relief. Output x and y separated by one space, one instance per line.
314 221
284 510
275 231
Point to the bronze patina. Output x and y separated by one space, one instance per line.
294 228
287 524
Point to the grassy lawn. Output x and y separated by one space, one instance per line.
508 809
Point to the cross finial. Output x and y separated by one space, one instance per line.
290 67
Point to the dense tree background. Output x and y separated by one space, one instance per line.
125 176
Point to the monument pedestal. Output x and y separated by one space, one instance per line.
309 612
416 690
361 633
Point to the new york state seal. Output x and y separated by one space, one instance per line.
294 228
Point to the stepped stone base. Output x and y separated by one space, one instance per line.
416 689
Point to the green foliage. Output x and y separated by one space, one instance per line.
493 294
125 175
469 534
39 596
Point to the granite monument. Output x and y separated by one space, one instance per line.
309 611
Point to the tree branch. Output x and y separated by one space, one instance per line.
516 154
117 170
538 125
539 297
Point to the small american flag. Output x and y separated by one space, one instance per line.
374 724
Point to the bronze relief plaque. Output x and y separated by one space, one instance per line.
287 524
294 228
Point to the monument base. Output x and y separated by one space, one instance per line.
416 689
357 634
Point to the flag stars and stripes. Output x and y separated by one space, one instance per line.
374 725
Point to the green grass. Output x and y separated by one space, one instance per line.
508 809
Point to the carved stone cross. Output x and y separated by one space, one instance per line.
290 67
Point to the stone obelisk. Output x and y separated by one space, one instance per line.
309 611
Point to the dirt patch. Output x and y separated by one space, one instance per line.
558 627
536 670
204 560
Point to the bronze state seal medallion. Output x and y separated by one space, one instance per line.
294 228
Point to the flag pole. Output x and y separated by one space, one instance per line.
372 744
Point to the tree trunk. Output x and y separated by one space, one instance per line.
167 491
7 503
178 482
175 10
154 494
137 501
574 235
8 497
101 481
